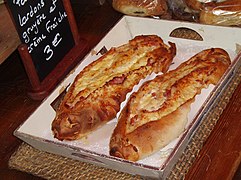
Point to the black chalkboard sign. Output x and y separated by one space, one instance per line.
51 45
44 27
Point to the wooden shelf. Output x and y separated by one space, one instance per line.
9 40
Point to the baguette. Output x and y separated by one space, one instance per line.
157 113
95 96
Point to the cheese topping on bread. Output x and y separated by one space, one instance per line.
95 96
157 113
116 62
166 93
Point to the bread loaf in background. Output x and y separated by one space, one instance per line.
226 13
216 12
140 7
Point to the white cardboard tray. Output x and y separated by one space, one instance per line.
36 130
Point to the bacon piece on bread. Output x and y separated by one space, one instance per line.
95 96
157 113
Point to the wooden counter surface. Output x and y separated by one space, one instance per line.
9 39
219 158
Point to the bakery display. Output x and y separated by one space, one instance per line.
214 12
140 7
95 96
157 113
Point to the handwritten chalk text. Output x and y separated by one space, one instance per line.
33 28
51 25
30 14
36 42
20 2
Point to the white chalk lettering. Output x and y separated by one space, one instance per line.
37 22
33 28
30 48
32 11
61 16
52 8
51 25
38 26
49 52
26 37
19 2
36 42
57 40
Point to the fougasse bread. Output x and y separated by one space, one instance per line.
95 96
157 113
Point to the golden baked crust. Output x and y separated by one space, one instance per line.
162 104
140 7
149 137
97 92
227 13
